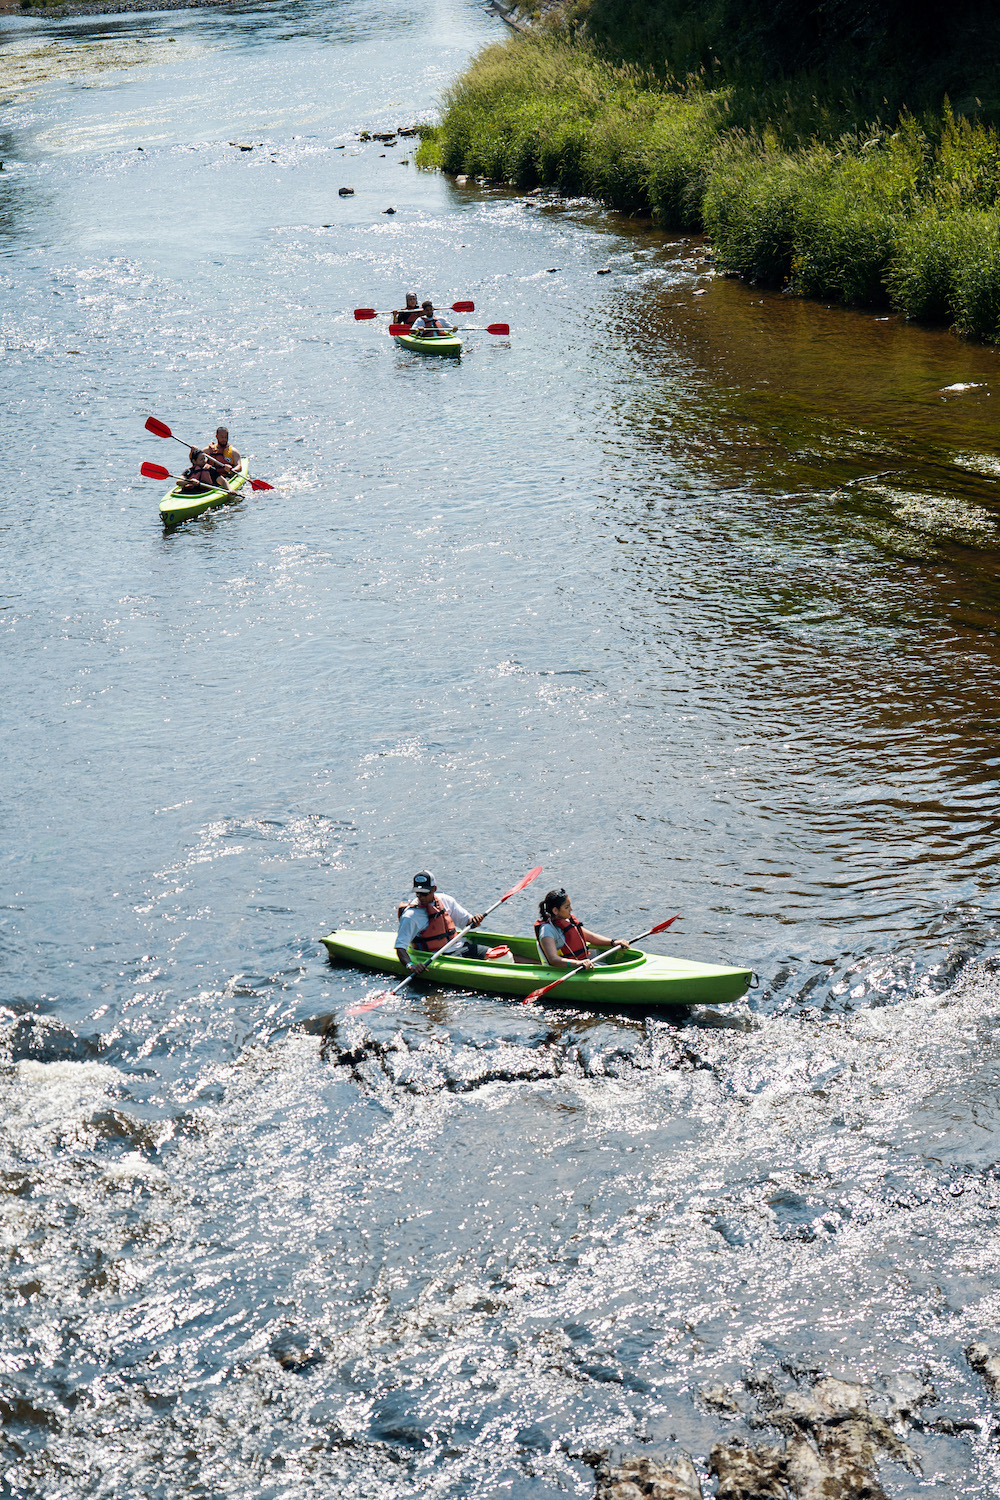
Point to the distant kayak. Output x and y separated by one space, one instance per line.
176 506
449 344
634 978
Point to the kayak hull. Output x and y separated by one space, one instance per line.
176 507
449 345
636 978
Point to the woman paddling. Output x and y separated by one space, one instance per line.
562 941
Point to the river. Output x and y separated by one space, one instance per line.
684 591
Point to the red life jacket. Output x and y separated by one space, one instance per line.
440 928
574 942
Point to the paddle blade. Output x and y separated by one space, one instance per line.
463 307
159 428
361 313
531 875
663 925
397 328
260 484
154 471
537 994
372 1003
501 328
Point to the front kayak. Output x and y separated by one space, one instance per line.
630 978
176 507
448 344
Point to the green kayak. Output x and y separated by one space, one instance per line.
176 507
449 344
630 978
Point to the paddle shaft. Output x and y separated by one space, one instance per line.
460 935
600 959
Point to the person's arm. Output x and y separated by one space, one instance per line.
236 459
407 962
408 928
458 913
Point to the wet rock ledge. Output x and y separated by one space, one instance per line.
833 1441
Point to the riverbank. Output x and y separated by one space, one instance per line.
101 7
899 213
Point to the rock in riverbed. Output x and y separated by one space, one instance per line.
834 1442
641 1478
986 1362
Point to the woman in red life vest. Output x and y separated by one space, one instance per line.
429 921
562 940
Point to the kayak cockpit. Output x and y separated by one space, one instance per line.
524 950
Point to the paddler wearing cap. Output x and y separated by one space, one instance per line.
429 920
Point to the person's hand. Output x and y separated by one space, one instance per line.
478 918
617 943
581 963
418 968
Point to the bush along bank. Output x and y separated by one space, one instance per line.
793 193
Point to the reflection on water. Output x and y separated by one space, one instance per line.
690 599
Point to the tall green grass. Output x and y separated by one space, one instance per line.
794 193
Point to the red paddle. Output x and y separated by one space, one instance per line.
363 313
379 997
503 329
162 430
537 994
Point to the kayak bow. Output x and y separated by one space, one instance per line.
176 506
449 344
630 978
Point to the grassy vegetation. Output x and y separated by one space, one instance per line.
794 190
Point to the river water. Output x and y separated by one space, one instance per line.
686 592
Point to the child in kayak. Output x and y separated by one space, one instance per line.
562 941
201 475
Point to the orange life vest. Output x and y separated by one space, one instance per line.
440 928
574 942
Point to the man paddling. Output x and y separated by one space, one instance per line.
429 921
224 459
430 326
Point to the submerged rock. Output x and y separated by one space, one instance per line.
640 1478
986 1362
719 1399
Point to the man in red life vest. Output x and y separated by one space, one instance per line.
429 921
